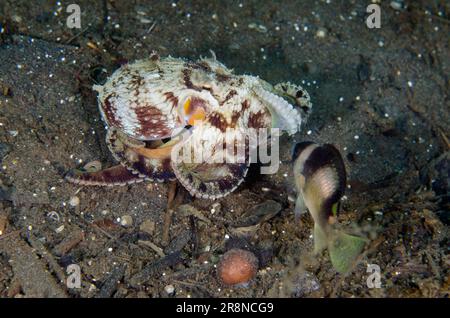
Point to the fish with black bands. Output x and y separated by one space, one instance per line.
320 180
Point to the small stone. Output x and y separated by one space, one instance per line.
17 18
148 226
258 27
126 220
145 20
59 229
74 201
217 207
4 150
3 222
303 284
169 289
321 33
397 5
93 166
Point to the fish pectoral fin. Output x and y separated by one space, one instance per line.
300 207
344 249
320 239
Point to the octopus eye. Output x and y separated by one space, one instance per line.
187 106
193 109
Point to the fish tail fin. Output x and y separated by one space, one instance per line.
344 249
320 239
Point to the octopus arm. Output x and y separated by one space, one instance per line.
284 115
134 157
116 175
211 175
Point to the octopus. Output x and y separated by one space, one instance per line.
154 108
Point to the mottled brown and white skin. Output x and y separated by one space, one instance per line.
151 105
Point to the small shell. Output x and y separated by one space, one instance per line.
138 100
237 267
93 166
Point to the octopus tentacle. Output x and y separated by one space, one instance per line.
116 175
297 94
147 163
213 177
229 179
284 115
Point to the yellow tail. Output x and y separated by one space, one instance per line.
344 249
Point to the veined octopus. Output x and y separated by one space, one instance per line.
150 105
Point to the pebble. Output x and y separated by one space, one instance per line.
169 289
321 33
303 284
258 27
217 207
148 226
4 150
74 201
17 18
3 222
126 220
145 20
397 5
93 166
